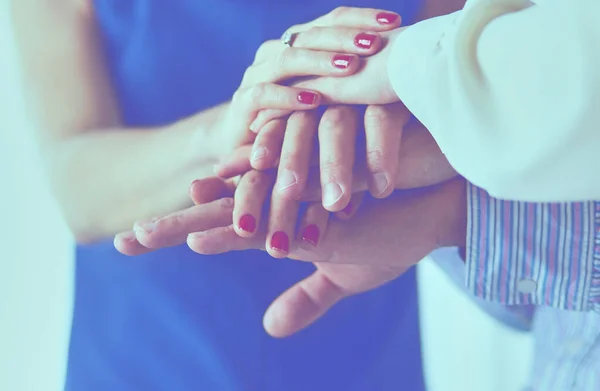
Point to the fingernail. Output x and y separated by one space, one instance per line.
364 40
381 182
129 236
332 192
348 209
258 153
342 61
286 179
311 234
148 227
248 223
280 242
386 17
307 97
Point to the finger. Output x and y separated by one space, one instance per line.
301 305
352 207
247 102
283 214
366 18
421 162
172 230
339 39
127 244
327 39
383 130
267 145
221 240
206 190
250 195
237 163
313 224
295 154
265 116
337 138
287 62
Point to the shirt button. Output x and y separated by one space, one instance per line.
527 286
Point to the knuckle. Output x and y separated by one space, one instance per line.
226 203
376 158
300 118
248 75
283 60
255 93
339 12
376 113
331 170
336 117
263 50
255 179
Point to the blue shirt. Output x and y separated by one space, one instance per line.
174 320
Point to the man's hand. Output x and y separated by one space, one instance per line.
384 239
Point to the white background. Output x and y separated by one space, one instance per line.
464 349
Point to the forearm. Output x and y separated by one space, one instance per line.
105 180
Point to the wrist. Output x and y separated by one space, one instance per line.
452 227
200 138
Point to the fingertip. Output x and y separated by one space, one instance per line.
309 99
274 322
380 185
388 20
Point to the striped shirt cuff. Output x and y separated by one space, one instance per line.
523 253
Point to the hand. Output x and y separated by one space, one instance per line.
327 46
407 159
369 86
384 239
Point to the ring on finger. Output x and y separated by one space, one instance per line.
288 38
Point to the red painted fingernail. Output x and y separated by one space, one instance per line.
364 40
348 209
248 223
311 234
280 242
386 18
342 61
308 98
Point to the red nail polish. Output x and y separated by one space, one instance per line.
280 242
348 209
386 17
311 234
248 223
342 61
308 98
364 40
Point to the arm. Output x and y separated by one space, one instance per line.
87 152
511 92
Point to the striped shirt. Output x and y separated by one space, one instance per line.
547 255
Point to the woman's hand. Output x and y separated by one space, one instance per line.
326 47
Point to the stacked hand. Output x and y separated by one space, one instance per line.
279 168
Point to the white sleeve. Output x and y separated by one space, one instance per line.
511 92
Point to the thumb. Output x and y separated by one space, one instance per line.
301 305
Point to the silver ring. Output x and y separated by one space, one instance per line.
288 38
